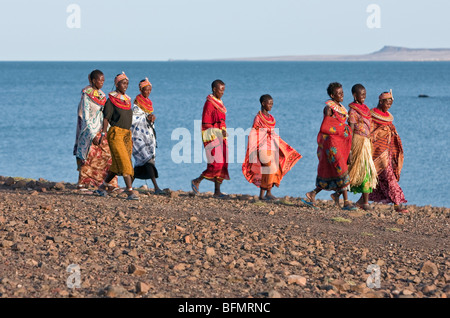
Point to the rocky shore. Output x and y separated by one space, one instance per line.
59 242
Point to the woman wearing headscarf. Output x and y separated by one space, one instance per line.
93 156
118 115
144 136
387 154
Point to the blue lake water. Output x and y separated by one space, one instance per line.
39 103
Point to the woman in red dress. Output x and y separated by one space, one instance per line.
334 144
214 136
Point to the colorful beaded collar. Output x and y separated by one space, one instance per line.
144 103
218 104
122 101
337 107
96 95
362 109
381 117
268 120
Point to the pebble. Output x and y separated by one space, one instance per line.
297 279
142 288
429 268
117 292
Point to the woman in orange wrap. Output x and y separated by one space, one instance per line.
334 144
387 155
268 157
214 136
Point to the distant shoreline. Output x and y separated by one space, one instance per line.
386 54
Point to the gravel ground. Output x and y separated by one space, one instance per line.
183 246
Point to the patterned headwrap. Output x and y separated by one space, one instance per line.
119 78
386 95
144 83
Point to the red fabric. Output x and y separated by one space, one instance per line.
362 109
214 116
334 144
262 137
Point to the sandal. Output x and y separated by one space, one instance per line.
308 203
112 189
101 192
132 197
349 208
194 187
159 191
221 196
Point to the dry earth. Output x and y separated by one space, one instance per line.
180 245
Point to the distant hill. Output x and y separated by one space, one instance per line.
387 53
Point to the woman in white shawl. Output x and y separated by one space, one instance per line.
144 136
92 152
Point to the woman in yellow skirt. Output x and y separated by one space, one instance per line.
118 115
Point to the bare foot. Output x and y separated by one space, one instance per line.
335 197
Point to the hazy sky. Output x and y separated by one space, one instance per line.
209 29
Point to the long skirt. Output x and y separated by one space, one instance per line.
388 190
146 171
121 147
217 158
362 171
95 168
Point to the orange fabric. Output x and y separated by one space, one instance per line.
268 157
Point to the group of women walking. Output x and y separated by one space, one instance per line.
359 150
110 130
